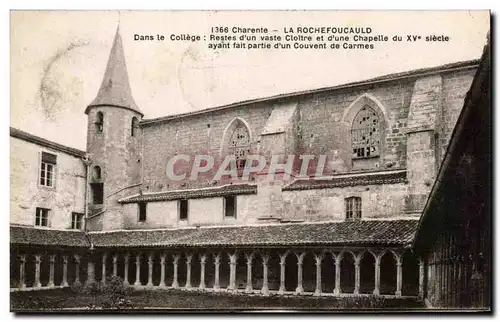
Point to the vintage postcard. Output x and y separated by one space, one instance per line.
223 161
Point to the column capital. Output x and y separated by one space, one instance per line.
22 258
318 258
189 257
52 258
233 258
338 259
265 258
38 258
217 259
115 258
176 258
203 258
163 257
104 255
126 256
249 258
300 257
65 259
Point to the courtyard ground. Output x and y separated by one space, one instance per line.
65 300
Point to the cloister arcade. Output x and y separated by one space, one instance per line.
307 271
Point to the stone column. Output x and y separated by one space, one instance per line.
77 268
249 287
52 260
232 271
38 260
22 271
357 273
65 271
137 270
162 273
150 269
175 282
421 277
104 258
300 260
337 290
282 273
376 290
319 259
115 264
189 257
203 260
126 258
216 278
265 286
399 276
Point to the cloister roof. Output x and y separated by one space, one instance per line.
387 232
209 192
350 180
30 236
363 232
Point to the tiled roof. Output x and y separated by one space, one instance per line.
238 189
345 181
115 87
16 133
31 236
380 79
388 232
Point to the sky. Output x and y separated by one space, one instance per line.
57 59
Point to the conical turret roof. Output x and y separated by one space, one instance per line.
115 88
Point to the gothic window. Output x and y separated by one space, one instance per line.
134 126
365 134
99 123
239 144
353 208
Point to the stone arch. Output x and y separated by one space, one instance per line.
181 270
228 131
366 99
257 271
273 271
290 272
309 272
328 272
347 271
224 269
367 272
388 272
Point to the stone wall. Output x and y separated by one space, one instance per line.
26 194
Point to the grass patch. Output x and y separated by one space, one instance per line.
54 300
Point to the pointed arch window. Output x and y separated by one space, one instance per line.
239 144
134 126
99 123
365 134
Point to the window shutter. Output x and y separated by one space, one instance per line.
49 158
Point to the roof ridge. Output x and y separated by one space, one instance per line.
384 78
23 135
